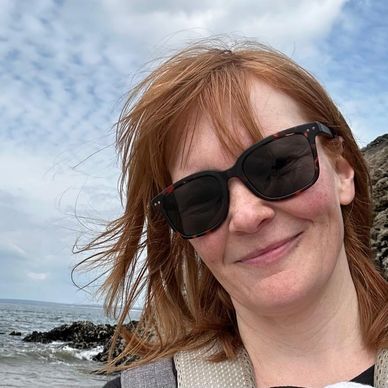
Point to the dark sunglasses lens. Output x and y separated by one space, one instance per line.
196 206
282 167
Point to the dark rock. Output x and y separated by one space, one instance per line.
119 348
376 155
17 333
83 335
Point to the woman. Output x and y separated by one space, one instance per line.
246 226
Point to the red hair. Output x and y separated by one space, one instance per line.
185 307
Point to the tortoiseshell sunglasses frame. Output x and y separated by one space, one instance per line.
309 130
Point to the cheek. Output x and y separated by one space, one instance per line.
211 247
320 200
312 204
320 207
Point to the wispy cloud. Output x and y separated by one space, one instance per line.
355 70
37 275
65 67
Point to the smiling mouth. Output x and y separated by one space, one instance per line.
271 253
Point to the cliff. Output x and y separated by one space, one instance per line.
376 155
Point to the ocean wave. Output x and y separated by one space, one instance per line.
55 353
62 352
83 354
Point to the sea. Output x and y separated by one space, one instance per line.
27 364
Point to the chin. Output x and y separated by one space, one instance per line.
284 297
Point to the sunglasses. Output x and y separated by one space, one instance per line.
277 167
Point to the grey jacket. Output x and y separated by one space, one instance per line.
159 374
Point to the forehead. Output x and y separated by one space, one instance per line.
274 109
204 146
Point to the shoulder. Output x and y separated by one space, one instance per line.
158 374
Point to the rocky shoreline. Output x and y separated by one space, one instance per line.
376 155
83 335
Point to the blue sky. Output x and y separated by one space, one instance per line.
65 67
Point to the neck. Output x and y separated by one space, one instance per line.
316 344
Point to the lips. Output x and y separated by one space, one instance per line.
271 251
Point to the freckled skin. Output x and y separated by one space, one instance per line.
314 262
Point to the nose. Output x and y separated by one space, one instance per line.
247 212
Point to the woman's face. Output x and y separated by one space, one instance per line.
273 257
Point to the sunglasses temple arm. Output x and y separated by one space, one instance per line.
323 128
